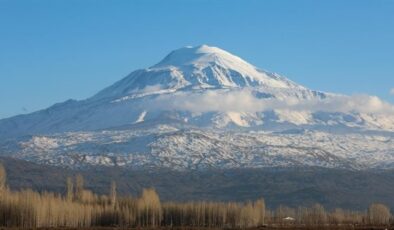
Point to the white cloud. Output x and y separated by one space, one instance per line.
245 101
392 91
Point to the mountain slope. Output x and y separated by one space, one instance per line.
185 71
190 149
203 107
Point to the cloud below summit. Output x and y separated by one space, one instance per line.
245 101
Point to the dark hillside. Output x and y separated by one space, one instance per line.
290 186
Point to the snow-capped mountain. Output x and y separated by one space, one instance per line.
203 107
196 68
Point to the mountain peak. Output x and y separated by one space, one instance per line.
199 67
202 55
210 66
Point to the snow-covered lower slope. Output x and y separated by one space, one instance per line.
183 149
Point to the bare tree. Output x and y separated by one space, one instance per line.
112 194
318 214
3 178
149 208
246 216
337 217
379 214
259 211
70 189
79 187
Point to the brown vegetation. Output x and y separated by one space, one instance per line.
81 208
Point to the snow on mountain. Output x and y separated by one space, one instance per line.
221 112
185 149
196 68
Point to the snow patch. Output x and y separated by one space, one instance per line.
238 119
141 117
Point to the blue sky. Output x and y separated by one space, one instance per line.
51 51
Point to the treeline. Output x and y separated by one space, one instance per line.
79 208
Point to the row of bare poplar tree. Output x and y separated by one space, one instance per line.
82 208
